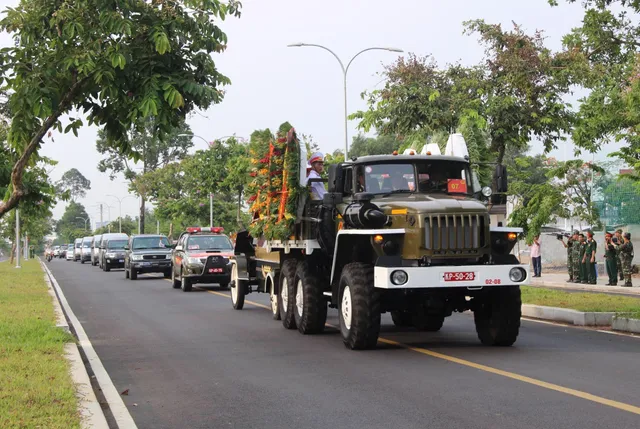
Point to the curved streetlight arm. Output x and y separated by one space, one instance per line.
298 45
194 135
376 48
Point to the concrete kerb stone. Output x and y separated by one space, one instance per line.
625 324
565 315
61 320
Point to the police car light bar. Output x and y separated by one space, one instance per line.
214 229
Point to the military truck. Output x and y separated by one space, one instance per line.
406 234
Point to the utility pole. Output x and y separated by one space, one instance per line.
26 247
17 238
157 227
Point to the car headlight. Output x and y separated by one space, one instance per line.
194 261
517 275
486 191
136 257
399 277
111 255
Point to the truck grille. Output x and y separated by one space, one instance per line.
454 232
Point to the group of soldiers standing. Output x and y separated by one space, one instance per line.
581 257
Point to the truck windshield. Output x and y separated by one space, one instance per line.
450 177
150 243
209 242
116 244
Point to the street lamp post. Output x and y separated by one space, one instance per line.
345 70
85 221
17 238
120 209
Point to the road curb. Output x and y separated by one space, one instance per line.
565 315
116 404
619 290
625 324
61 320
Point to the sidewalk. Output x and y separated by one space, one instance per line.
558 281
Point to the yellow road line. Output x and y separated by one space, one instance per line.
555 387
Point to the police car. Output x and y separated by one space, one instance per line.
201 255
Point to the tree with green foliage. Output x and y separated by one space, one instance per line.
69 227
380 145
537 200
116 63
156 150
621 201
606 56
74 183
129 227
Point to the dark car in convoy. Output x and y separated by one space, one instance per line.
113 254
147 253
202 256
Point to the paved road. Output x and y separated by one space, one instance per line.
190 361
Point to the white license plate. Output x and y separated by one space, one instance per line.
120 260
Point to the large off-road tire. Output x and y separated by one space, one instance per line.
185 283
133 274
107 268
359 307
273 298
497 316
310 306
239 289
174 282
286 295
426 322
401 319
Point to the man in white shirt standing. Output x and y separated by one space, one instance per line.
317 166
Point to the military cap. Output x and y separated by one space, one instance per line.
619 231
575 232
627 235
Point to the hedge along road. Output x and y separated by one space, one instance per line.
190 360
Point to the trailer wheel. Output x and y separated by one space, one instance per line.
273 298
497 317
359 307
286 300
311 308
401 318
238 291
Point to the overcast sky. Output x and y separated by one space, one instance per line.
272 83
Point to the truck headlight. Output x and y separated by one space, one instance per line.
399 277
486 191
517 275
111 255
136 257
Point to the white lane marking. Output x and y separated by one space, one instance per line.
116 404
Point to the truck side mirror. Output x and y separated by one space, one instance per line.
501 178
126 247
336 178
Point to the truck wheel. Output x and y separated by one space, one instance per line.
273 297
497 317
167 274
238 291
82 261
185 283
286 297
174 282
311 308
401 318
126 273
426 322
107 267
133 274
359 307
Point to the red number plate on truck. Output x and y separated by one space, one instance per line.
459 276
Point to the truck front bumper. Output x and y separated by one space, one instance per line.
465 276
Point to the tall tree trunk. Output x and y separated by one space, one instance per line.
142 203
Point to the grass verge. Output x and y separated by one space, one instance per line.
624 305
36 390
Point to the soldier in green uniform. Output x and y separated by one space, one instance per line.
581 259
626 256
610 259
569 246
590 258
618 242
